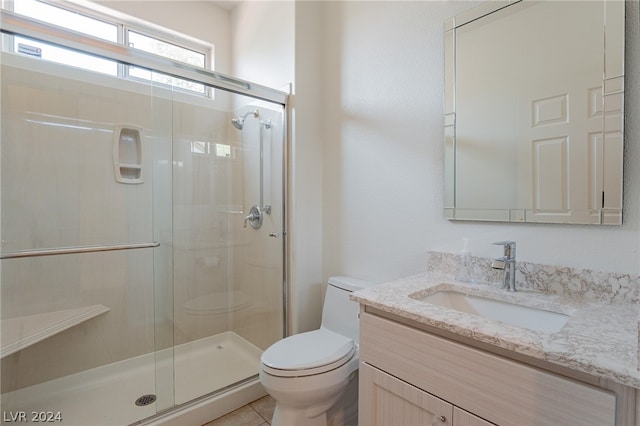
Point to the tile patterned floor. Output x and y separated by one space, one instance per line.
257 413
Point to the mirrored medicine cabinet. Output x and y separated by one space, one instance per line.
534 97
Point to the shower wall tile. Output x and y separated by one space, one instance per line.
258 272
258 264
58 180
203 283
237 270
59 190
209 275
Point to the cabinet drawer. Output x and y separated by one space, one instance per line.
495 388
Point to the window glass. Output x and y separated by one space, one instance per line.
170 51
167 50
67 19
53 53
223 150
157 77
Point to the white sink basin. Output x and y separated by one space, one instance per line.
510 313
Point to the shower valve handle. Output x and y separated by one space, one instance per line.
254 218
249 218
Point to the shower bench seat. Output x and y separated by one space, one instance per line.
21 332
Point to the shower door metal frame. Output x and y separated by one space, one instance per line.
15 24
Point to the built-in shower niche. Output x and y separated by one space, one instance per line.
127 154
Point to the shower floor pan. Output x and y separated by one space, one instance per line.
107 395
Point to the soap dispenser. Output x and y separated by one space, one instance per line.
463 267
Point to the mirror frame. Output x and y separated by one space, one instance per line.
613 124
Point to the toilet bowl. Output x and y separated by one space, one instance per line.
307 374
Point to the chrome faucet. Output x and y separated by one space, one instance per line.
508 265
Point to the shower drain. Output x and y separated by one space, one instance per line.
145 400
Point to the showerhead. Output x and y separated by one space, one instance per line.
238 122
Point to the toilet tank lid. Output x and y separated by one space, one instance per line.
349 283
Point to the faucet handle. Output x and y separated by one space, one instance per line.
509 248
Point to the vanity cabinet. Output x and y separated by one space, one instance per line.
410 376
391 401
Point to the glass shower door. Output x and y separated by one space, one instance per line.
79 243
133 277
228 276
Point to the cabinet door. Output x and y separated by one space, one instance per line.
388 401
463 418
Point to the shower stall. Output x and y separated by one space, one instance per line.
143 237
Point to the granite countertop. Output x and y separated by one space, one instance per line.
600 338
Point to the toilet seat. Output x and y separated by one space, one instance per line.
306 354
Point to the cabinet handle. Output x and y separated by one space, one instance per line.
439 419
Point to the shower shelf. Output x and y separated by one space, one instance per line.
21 332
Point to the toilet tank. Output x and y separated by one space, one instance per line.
339 312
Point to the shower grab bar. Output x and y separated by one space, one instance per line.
80 249
264 125
12 23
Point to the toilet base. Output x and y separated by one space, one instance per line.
297 417
342 411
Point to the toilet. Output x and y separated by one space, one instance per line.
308 374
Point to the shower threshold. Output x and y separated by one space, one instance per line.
107 395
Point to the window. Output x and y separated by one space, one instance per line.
223 150
200 147
115 32
205 148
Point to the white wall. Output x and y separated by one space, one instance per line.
382 153
262 41
306 201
